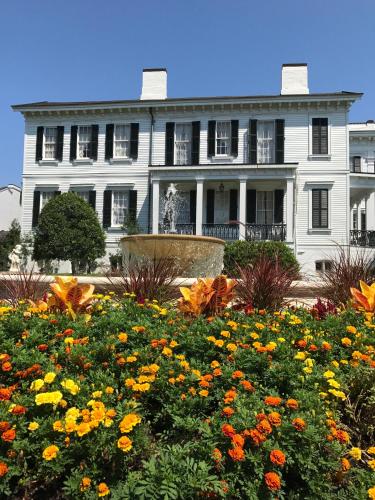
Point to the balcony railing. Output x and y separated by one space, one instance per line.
180 228
360 238
262 232
222 231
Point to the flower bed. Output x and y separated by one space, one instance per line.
139 401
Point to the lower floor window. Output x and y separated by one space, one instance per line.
264 207
83 194
321 266
120 206
45 196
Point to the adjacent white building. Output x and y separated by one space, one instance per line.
10 206
266 167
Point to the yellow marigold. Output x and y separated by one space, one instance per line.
328 374
70 386
141 387
109 390
50 452
335 364
203 393
49 377
215 364
70 426
371 493
131 359
123 337
125 444
351 329
337 394
129 382
82 429
301 356
103 490
333 383
371 464
48 398
69 340
129 422
33 426
37 384
85 484
232 347
346 342
356 453
219 343
225 333
356 355
58 426
173 344
371 450
167 352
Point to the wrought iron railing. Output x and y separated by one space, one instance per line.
222 231
261 232
180 228
360 238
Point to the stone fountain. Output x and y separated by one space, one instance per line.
196 255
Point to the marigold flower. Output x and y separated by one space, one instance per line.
228 430
70 386
346 342
9 435
33 426
371 450
5 394
231 347
125 444
4 426
371 493
274 418
129 422
85 484
82 429
228 411
277 457
103 489
3 469
264 427
351 329
237 454
247 385
203 393
238 440
50 452
49 377
237 374
48 398
217 455
272 480
299 424
345 464
123 337
342 436
371 464
272 401
257 437
18 410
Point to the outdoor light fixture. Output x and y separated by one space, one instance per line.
221 187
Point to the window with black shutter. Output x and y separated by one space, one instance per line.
253 139
211 131
251 206
107 208
39 144
233 197
320 136
133 206
319 208
36 208
109 129
356 165
195 142
193 206
94 142
134 139
279 127
73 142
169 143
60 143
210 214
363 220
92 199
278 207
234 138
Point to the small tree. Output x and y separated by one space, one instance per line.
69 229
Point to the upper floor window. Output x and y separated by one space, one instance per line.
121 141
319 136
84 141
50 143
266 141
183 143
223 136
319 208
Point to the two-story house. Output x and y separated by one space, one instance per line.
265 167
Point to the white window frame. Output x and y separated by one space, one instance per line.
229 139
118 157
273 206
189 143
273 155
320 185
83 193
44 192
319 156
126 192
84 158
45 142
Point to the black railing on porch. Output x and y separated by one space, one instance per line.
262 232
222 231
360 238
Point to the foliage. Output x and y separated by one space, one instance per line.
364 299
207 296
322 308
23 285
143 402
243 253
347 268
8 242
131 225
69 296
69 229
264 284
147 278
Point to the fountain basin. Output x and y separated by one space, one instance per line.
197 256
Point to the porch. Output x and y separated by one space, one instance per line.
362 212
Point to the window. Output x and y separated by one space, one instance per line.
121 141
266 142
183 144
319 208
264 207
356 165
363 220
50 143
83 194
320 136
45 196
223 133
355 219
321 266
120 205
84 141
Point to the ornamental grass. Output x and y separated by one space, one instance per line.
141 401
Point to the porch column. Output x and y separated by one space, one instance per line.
370 213
289 209
242 211
155 205
199 208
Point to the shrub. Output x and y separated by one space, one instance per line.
242 253
68 229
347 269
23 285
264 283
7 244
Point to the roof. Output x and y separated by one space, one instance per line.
343 95
10 186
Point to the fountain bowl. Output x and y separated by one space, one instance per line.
197 256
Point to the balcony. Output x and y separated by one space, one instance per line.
231 232
360 238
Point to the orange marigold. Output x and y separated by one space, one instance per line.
3 469
8 435
272 401
345 464
18 410
247 385
238 440
228 430
257 437
342 436
237 374
299 424
217 455
264 427
274 418
6 367
292 403
272 480
277 457
4 426
228 411
5 394
237 454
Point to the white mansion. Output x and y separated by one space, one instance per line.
284 167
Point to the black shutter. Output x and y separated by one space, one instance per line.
319 136
56 193
36 208
109 129
234 140
133 205
169 143
233 195
134 138
278 208
210 216
253 142
324 135
319 208
92 199
195 142
73 142
107 208
356 164
193 207
60 143
39 144
279 126
251 206
94 142
211 138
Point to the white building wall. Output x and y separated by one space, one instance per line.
10 206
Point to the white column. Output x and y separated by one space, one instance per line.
242 211
289 209
199 208
370 213
155 205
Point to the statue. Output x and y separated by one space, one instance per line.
170 207
15 259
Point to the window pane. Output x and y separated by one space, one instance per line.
266 141
119 207
45 197
84 140
183 144
122 141
223 132
50 136
83 194
265 207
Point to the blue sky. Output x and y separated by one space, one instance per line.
93 50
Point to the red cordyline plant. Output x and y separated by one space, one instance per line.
148 278
265 284
322 308
23 285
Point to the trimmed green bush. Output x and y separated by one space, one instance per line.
242 253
